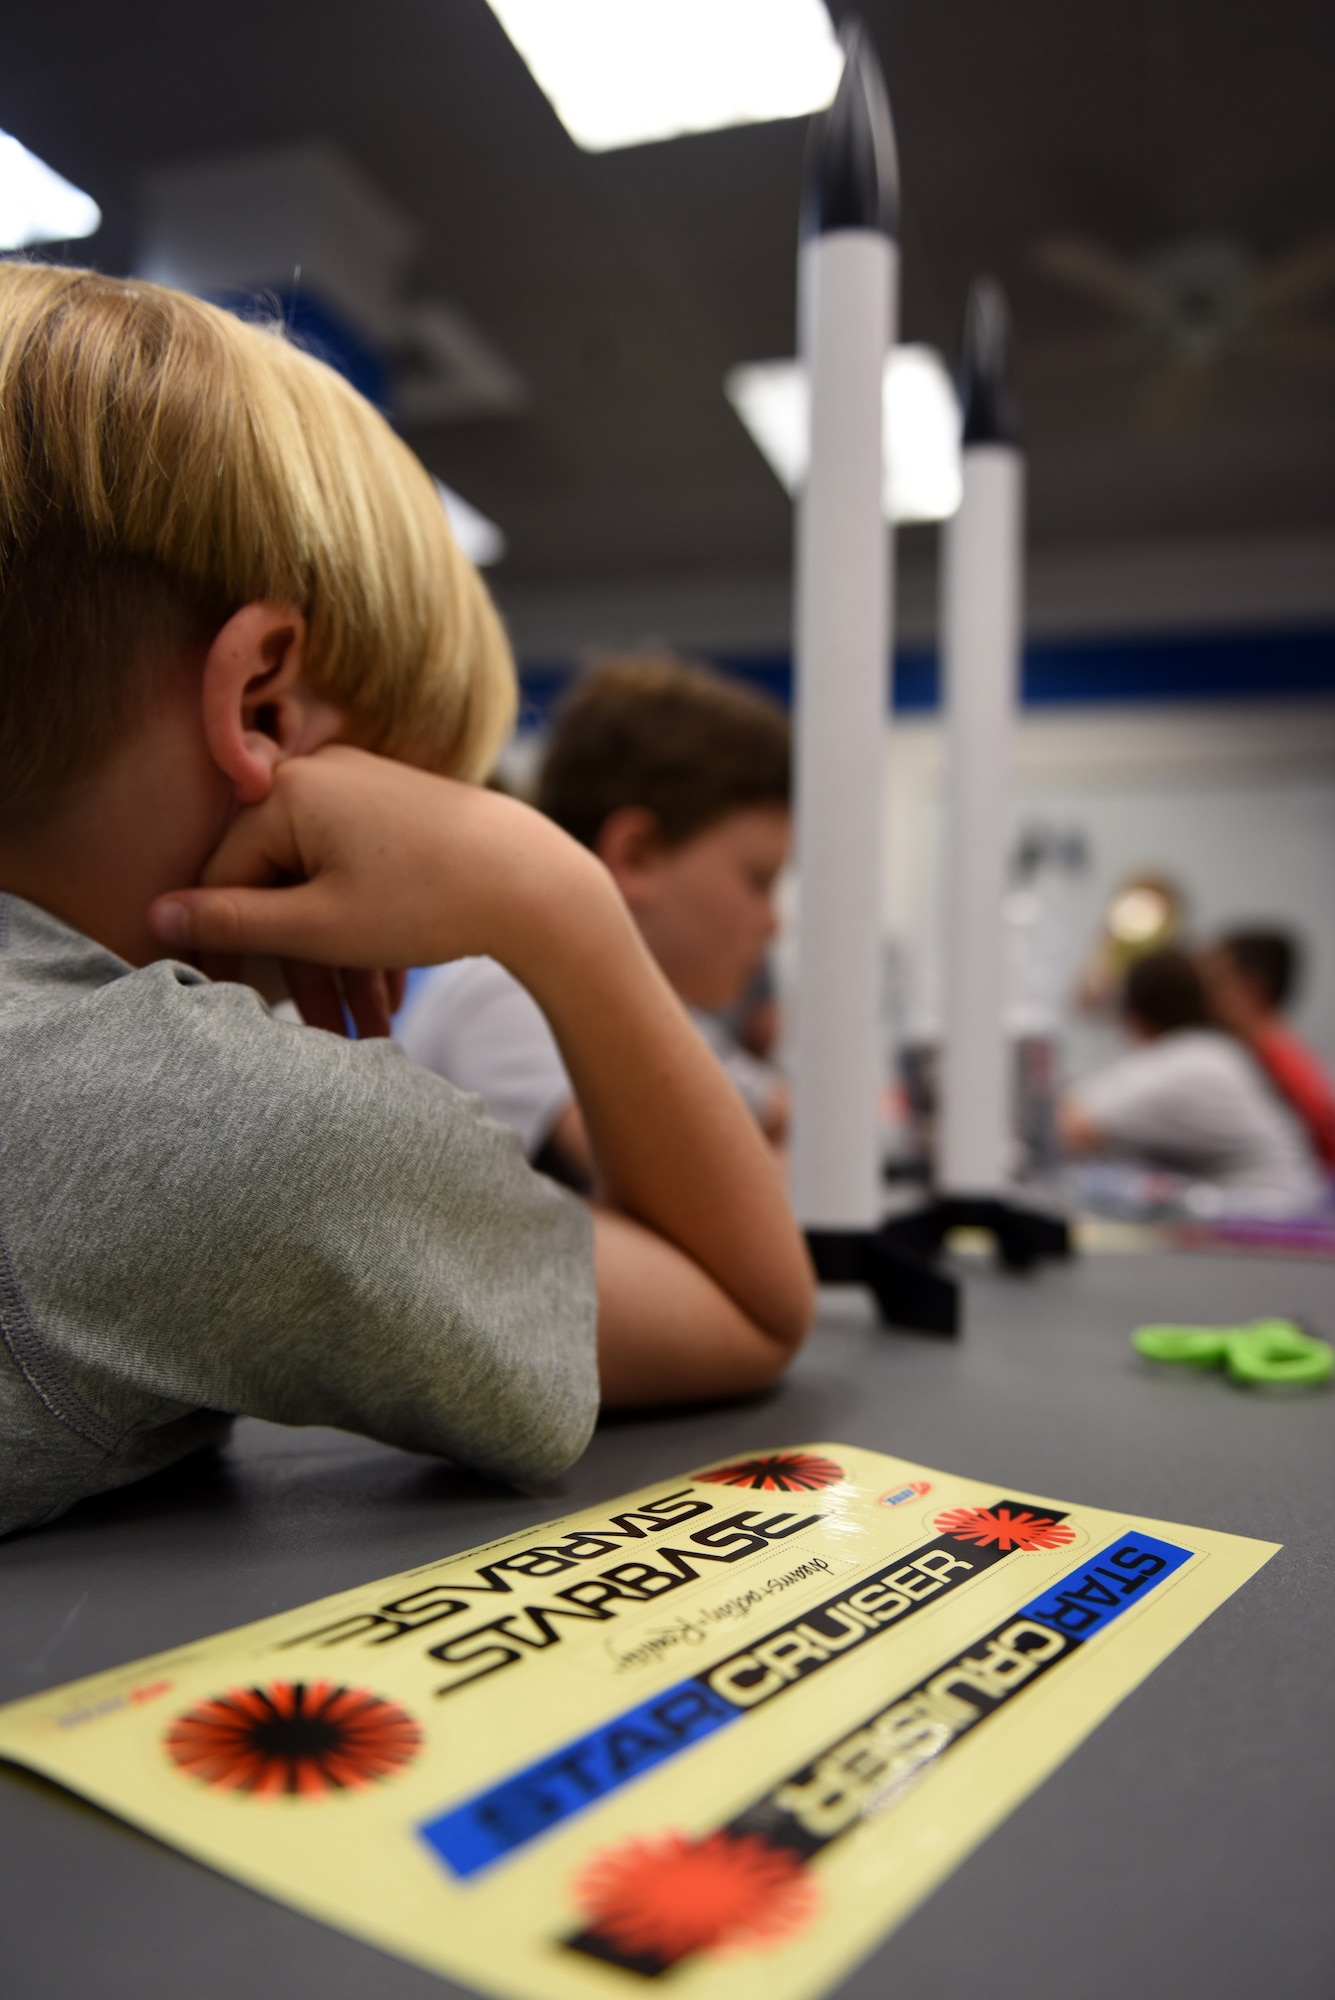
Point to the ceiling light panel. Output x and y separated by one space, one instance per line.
480 539
921 428
38 205
623 72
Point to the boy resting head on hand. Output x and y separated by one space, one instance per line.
245 677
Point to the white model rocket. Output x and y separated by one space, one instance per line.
982 581
848 265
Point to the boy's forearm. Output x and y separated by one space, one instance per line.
675 1145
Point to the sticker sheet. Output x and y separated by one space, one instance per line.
729 1729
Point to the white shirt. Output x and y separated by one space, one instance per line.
473 1024
1195 1103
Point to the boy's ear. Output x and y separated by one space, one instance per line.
629 844
257 709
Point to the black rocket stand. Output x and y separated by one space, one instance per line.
848 264
983 571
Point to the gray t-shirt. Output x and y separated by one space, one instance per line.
207 1212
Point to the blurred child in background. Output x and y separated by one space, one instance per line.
678 780
1187 1100
1251 977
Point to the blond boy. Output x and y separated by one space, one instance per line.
245 676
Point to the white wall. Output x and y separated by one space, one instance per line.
1237 802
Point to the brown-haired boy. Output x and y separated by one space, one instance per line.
238 649
678 780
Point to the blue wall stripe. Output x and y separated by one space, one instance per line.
321 330
1225 666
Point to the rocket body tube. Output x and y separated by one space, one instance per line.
848 283
847 303
980 617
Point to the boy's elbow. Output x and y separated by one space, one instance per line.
803 1294
790 1314
801 1314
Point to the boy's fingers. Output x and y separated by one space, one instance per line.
258 848
367 997
282 923
314 991
223 966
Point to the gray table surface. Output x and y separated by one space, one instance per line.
1186 1849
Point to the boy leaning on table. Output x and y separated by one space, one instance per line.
245 678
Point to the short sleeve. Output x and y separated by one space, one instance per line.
224 1211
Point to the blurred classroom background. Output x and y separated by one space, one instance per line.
566 324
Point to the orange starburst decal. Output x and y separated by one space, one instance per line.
671 1897
778 1472
1008 1530
302 1739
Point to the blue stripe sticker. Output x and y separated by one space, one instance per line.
1088 1599
491 1823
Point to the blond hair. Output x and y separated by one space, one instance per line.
163 463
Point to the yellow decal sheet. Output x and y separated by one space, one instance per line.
729 1729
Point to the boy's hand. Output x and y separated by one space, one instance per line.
354 861
704 1283
325 997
